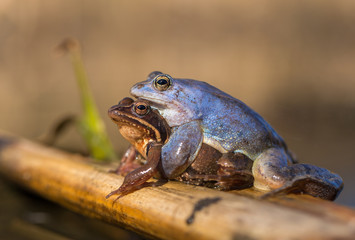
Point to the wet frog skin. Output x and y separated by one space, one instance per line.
147 131
200 113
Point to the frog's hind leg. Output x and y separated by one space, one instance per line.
235 171
312 180
238 180
228 171
272 172
131 160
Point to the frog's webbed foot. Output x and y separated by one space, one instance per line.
311 180
239 180
137 178
129 162
233 171
271 172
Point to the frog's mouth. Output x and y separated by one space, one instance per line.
124 121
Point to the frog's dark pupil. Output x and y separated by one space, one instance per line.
162 81
141 107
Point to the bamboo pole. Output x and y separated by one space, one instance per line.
174 210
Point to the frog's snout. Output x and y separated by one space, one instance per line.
138 86
112 111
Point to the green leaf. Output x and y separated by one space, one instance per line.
90 123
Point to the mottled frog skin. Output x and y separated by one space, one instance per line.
199 113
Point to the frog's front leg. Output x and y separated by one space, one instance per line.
181 149
272 172
136 179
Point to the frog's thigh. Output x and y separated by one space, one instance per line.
181 149
270 169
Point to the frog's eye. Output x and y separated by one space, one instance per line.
152 75
162 82
141 108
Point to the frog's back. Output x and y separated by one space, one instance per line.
228 124
234 125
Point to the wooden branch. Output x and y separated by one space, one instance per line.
174 210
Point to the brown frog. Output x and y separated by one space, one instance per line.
147 131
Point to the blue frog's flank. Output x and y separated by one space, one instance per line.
228 125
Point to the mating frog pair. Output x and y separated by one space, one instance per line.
193 132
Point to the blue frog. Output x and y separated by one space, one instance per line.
200 114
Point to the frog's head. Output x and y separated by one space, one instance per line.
139 123
178 100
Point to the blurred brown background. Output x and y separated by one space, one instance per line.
291 61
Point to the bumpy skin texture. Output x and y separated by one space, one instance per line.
229 126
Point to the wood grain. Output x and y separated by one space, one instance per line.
173 210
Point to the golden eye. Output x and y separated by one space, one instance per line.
162 82
141 108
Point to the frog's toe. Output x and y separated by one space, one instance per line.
121 191
117 191
306 185
125 189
